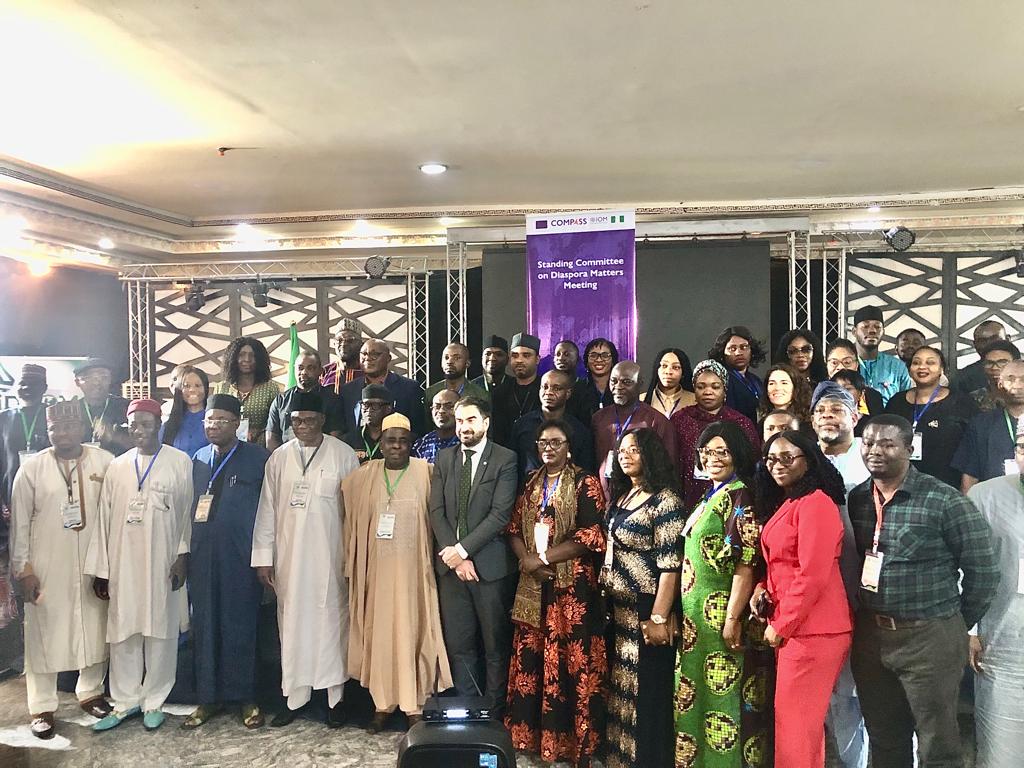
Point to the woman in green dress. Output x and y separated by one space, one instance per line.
723 672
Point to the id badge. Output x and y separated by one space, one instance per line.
872 571
541 534
917 447
608 554
386 525
71 514
203 507
699 473
608 464
1010 467
300 495
22 455
243 430
135 509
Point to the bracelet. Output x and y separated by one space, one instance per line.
734 618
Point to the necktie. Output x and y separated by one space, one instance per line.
465 484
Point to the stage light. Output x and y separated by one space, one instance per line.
899 238
433 169
259 291
194 297
376 266
106 244
1018 257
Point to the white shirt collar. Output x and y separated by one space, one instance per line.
478 449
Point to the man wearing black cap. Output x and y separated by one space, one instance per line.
517 396
307 376
494 360
376 403
103 414
227 476
23 433
375 358
883 372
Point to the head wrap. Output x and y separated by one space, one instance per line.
867 313
144 405
377 392
396 421
496 342
31 373
830 390
92 362
228 403
714 367
64 411
306 401
526 340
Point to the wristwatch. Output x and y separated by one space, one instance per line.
658 619
543 557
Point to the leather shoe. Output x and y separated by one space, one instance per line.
337 715
42 726
97 706
284 717
413 719
378 722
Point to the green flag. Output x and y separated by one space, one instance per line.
293 355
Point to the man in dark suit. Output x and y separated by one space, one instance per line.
375 359
471 498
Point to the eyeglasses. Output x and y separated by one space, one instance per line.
554 442
218 422
785 459
715 453
443 407
631 450
845 362
599 356
1019 447
375 404
371 355
304 421
806 349
732 349
995 365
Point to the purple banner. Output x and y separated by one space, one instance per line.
581 279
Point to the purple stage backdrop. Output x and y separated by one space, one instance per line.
581 279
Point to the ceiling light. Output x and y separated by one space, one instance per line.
246 232
106 243
376 266
38 267
899 238
433 169
194 298
874 208
447 221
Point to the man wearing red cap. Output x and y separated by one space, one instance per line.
139 556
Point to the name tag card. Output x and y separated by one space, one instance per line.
386 525
135 509
22 455
700 473
300 495
243 430
608 464
541 535
872 571
203 508
71 514
1010 467
917 447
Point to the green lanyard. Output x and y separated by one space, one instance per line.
1009 427
88 412
370 454
29 430
387 482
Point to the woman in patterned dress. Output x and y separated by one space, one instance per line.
644 556
722 692
559 661
246 375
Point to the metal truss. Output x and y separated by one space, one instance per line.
279 269
973 238
455 292
419 326
139 327
799 279
833 296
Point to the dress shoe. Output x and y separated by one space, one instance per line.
97 706
378 722
337 715
413 719
42 726
284 717
115 718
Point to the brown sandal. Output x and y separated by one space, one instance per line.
252 717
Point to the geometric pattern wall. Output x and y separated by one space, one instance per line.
379 309
943 294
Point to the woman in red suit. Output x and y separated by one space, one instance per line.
802 598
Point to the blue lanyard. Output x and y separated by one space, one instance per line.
752 388
142 478
209 488
716 489
619 430
919 416
548 496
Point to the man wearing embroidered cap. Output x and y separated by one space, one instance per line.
396 648
298 551
139 556
880 370
227 476
519 395
347 341
102 413
53 518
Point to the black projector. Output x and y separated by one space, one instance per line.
456 732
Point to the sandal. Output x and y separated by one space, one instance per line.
252 717
202 713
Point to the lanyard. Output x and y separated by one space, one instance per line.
549 495
711 492
661 400
1009 428
302 457
919 416
742 379
880 502
142 478
209 488
67 477
29 430
88 412
387 481
619 430
369 453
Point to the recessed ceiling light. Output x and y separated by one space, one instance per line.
874 208
447 221
106 243
433 169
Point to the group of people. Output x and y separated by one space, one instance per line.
706 568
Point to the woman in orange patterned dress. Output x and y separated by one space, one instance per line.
559 662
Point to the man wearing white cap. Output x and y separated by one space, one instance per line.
396 648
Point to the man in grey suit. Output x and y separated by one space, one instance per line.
471 499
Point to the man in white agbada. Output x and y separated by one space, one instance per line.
54 509
139 556
298 551
997 643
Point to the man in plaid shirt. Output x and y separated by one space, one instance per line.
915 535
